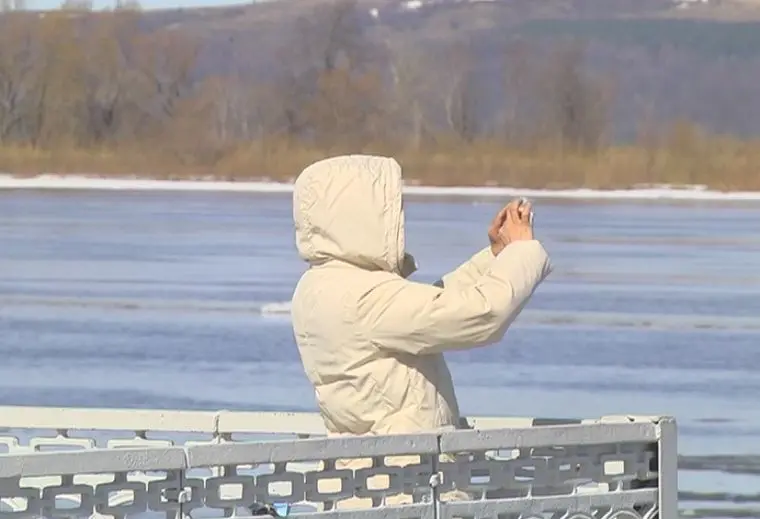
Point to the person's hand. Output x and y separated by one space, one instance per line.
494 231
519 222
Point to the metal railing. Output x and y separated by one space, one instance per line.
220 464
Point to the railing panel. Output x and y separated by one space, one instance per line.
79 484
610 468
582 471
223 480
317 474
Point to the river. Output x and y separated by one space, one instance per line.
179 300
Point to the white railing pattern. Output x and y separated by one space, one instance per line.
180 464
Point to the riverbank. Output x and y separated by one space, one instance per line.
663 192
715 165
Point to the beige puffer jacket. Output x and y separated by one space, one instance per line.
371 341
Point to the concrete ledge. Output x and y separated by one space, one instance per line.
107 419
586 434
539 505
311 449
93 461
232 422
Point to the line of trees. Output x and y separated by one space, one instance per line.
101 84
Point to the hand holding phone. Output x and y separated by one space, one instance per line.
519 222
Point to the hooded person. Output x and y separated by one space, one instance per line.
372 341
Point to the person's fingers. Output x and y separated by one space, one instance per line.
498 220
495 223
518 225
525 211
494 230
513 213
500 217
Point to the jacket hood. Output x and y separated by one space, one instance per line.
350 209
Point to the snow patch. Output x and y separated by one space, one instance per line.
653 192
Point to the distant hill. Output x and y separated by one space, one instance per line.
696 60
666 60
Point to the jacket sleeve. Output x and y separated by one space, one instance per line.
469 271
420 319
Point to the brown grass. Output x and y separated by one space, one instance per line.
720 163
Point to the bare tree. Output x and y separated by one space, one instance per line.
59 99
414 89
520 88
108 75
332 36
16 78
462 101
165 60
329 86
577 104
232 112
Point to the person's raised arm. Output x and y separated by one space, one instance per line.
420 319
471 270
468 272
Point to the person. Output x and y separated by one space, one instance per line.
371 340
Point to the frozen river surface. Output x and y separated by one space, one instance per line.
179 300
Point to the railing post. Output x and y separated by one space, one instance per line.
435 481
667 455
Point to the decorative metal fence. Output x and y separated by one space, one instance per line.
179 464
